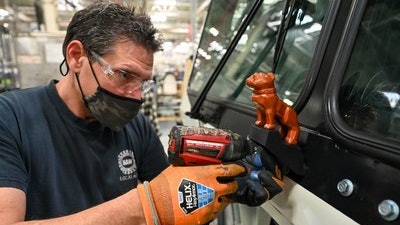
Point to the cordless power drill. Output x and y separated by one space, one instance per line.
190 146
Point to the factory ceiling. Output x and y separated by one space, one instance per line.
178 20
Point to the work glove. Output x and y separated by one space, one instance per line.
263 180
188 195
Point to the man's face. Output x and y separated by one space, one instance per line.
123 72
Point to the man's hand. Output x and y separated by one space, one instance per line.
264 179
255 192
188 195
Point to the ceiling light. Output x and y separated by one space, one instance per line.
158 17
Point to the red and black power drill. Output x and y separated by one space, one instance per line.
204 146
190 146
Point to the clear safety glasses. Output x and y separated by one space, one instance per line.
121 79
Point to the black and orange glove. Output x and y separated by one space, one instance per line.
264 179
188 195
272 178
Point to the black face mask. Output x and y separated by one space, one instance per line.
111 110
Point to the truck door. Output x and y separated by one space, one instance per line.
338 67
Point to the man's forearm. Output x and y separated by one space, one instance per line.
123 210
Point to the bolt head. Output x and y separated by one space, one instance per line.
388 209
345 187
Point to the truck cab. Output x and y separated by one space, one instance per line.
336 64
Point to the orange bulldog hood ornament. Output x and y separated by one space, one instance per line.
270 108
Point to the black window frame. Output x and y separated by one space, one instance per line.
374 146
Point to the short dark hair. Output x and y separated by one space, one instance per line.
100 25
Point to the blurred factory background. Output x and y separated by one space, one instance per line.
32 32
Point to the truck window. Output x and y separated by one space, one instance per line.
223 20
255 50
370 91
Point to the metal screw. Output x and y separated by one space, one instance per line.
345 187
388 209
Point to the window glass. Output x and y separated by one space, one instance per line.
255 50
223 21
370 91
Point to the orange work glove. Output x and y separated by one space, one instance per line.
188 195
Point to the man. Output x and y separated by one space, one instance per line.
73 152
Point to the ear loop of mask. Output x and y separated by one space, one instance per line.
80 88
93 73
61 69
79 83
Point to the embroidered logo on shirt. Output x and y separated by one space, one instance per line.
127 165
